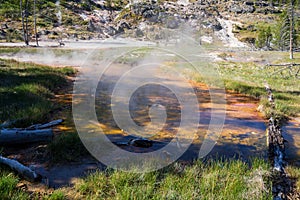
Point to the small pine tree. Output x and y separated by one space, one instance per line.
264 38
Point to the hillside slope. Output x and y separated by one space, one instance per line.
208 20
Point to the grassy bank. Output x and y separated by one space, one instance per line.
27 91
250 78
212 180
28 95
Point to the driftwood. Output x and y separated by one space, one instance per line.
47 125
17 136
24 171
283 65
34 133
275 138
293 69
281 183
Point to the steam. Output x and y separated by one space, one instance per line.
58 14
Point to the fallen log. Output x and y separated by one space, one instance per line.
47 125
18 136
283 65
24 171
31 134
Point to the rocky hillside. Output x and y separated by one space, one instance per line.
209 20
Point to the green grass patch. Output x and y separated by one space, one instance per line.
219 179
294 173
8 186
27 90
56 195
250 79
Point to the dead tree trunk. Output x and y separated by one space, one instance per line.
35 29
24 171
24 16
34 133
292 30
26 21
23 22
21 136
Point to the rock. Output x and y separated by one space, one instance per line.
143 26
91 27
235 9
124 25
261 4
111 31
148 14
157 37
238 9
139 33
140 142
216 26
248 9
172 24
249 3
4 26
251 28
2 35
44 32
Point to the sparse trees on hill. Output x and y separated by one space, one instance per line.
283 35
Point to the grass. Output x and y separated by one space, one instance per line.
26 91
9 189
250 78
8 186
219 179
294 173
27 96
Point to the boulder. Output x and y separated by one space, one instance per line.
172 24
91 27
2 34
140 142
216 26
111 31
139 33
238 9
122 26
4 26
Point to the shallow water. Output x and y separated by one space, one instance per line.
243 133
291 133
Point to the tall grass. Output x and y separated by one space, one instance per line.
8 186
220 179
